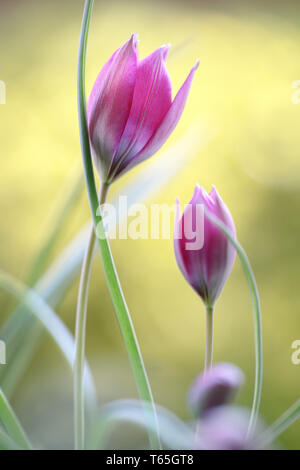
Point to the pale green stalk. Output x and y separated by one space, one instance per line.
257 319
209 338
81 317
116 293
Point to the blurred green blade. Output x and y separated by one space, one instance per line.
280 425
7 443
174 433
21 323
12 424
53 324
62 209
68 197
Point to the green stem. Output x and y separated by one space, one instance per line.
81 316
280 425
116 293
209 338
257 319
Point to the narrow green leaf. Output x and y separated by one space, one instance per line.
280 425
7 443
61 211
69 195
12 424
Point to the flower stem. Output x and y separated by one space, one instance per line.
257 319
81 316
112 279
209 338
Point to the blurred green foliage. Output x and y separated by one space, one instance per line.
249 55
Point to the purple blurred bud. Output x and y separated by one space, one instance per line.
215 387
226 428
205 266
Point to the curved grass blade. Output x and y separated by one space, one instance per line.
257 318
62 210
53 324
280 425
12 424
174 433
69 195
21 323
7 443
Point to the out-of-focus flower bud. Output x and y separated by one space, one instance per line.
207 265
215 387
226 428
130 110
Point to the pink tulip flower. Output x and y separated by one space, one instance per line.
130 110
207 266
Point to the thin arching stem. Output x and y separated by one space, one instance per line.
81 317
209 338
256 315
121 309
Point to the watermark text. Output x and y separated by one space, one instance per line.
2 92
155 222
2 353
295 358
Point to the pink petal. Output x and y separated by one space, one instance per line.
166 127
111 99
152 99
219 264
178 243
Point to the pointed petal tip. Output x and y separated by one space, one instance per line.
196 64
200 193
215 195
133 40
165 51
197 190
197 194
194 68
203 191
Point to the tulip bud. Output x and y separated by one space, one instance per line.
205 267
130 110
215 387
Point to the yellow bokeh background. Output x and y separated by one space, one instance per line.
242 96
